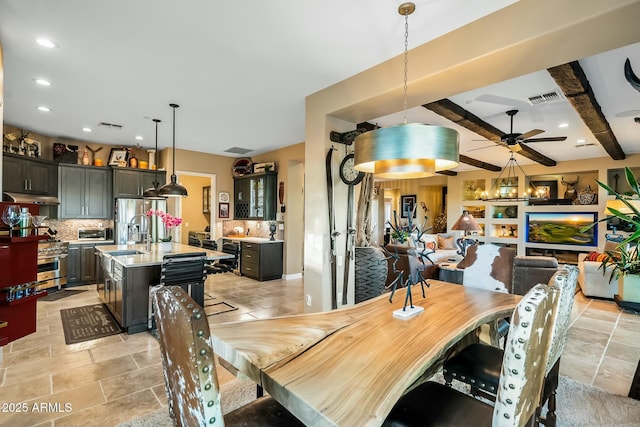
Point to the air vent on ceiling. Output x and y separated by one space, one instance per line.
237 150
545 97
584 144
110 125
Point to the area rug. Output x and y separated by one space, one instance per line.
579 405
234 394
62 293
87 323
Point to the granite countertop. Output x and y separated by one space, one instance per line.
155 255
90 242
250 239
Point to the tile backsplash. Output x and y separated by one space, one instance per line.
68 229
254 228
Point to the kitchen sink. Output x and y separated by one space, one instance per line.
125 252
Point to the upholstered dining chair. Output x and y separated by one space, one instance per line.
489 267
479 364
521 377
190 372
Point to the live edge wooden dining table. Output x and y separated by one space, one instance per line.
348 367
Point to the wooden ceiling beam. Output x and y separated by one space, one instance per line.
574 84
479 164
452 111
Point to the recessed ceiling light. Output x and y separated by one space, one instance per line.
139 138
46 43
86 130
42 82
563 125
43 108
581 141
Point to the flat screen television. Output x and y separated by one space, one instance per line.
561 228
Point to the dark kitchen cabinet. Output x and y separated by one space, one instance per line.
255 196
126 293
29 175
85 192
261 261
131 183
82 268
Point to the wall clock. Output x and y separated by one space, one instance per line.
223 197
348 172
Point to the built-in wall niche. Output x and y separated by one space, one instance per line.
474 189
577 188
562 255
504 188
505 231
617 180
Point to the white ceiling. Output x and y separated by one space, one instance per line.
241 71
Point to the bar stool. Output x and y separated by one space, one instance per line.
185 270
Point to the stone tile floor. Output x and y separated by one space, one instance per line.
113 379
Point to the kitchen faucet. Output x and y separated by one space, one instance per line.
145 232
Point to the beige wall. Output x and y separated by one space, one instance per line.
290 164
471 57
192 216
287 159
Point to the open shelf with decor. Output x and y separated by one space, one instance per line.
473 189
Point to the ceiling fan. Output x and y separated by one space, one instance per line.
512 140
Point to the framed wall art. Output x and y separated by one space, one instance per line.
118 157
544 189
223 210
407 205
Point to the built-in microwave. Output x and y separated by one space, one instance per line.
99 233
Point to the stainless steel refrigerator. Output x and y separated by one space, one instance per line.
131 223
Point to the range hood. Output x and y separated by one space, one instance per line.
29 198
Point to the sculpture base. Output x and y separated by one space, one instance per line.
408 312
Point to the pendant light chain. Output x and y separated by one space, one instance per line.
174 106
156 183
406 62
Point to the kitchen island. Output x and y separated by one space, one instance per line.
128 271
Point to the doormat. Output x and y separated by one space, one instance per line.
218 308
63 293
88 323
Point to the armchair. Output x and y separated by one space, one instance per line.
593 281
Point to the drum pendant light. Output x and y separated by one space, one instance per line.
173 189
408 150
151 193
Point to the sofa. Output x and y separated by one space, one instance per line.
438 247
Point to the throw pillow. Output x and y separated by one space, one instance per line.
446 242
426 238
595 256
431 246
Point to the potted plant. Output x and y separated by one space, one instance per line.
623 263
169 222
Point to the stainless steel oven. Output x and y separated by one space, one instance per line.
52 264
